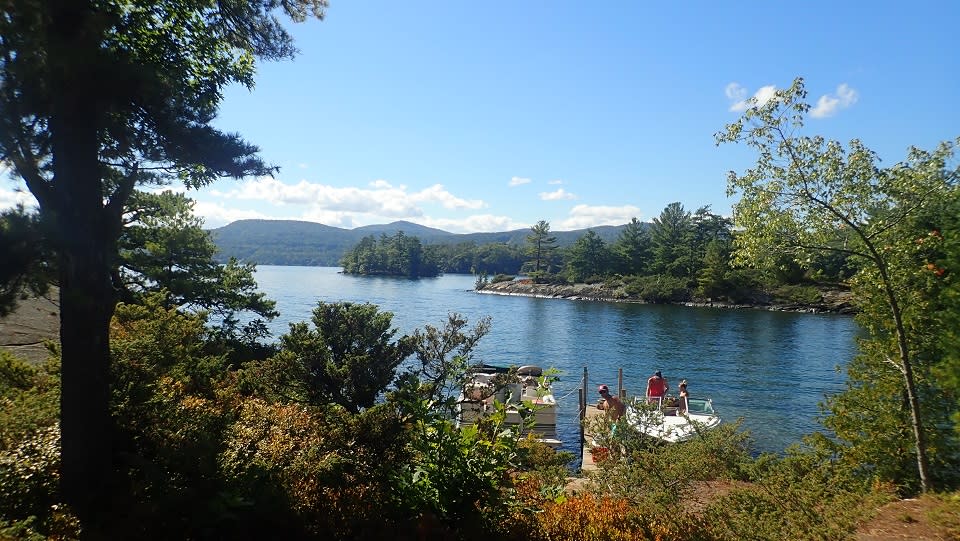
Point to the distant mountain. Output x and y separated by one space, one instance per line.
292 242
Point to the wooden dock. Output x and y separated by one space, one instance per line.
588 410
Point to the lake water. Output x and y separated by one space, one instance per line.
770 368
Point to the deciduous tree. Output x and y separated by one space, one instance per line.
803 189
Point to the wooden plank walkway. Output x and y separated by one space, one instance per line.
587 463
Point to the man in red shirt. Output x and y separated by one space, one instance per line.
656 385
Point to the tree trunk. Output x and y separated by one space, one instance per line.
86 242
916 420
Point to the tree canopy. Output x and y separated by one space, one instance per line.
807 195
96 97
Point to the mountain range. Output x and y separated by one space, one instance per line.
292 242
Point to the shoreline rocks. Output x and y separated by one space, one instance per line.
832 301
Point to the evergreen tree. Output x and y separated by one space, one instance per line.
95 98
349 358
540 246
671 237
588 257
632 249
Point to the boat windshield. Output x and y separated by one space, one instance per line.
700 406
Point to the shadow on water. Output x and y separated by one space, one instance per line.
770 368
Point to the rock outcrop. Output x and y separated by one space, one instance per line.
35 321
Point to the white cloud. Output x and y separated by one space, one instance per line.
379 202
584 216
828 105
216 215
518 181
476 223
557 181
558 195
737 94
438 194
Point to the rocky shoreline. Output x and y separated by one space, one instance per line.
831 301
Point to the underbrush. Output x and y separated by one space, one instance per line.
205 451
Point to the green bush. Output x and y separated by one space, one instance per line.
797 294
501 278
804 492
29 476
29 398
658 288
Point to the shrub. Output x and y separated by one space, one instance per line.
802 492
659 288
501 278
29 476
604 518
29 398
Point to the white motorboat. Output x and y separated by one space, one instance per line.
527 394
672 419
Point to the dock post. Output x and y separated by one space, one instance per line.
583 410
620 389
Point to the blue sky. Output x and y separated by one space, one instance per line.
491 116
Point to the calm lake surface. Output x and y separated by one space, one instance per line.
770 368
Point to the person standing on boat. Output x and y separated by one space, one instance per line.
614 407
683 396
657 386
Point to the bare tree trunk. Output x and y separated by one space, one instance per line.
906 368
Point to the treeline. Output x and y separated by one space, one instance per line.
677 256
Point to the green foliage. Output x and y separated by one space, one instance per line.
29 440
540 247
588 257
457 474
632 249
349 358
97 98
164 248
27 264
658 288
803 191
797 294
670 234
654 475
398 255
29 398
30 475
443 355
804 493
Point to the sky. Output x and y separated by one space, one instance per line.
492 116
